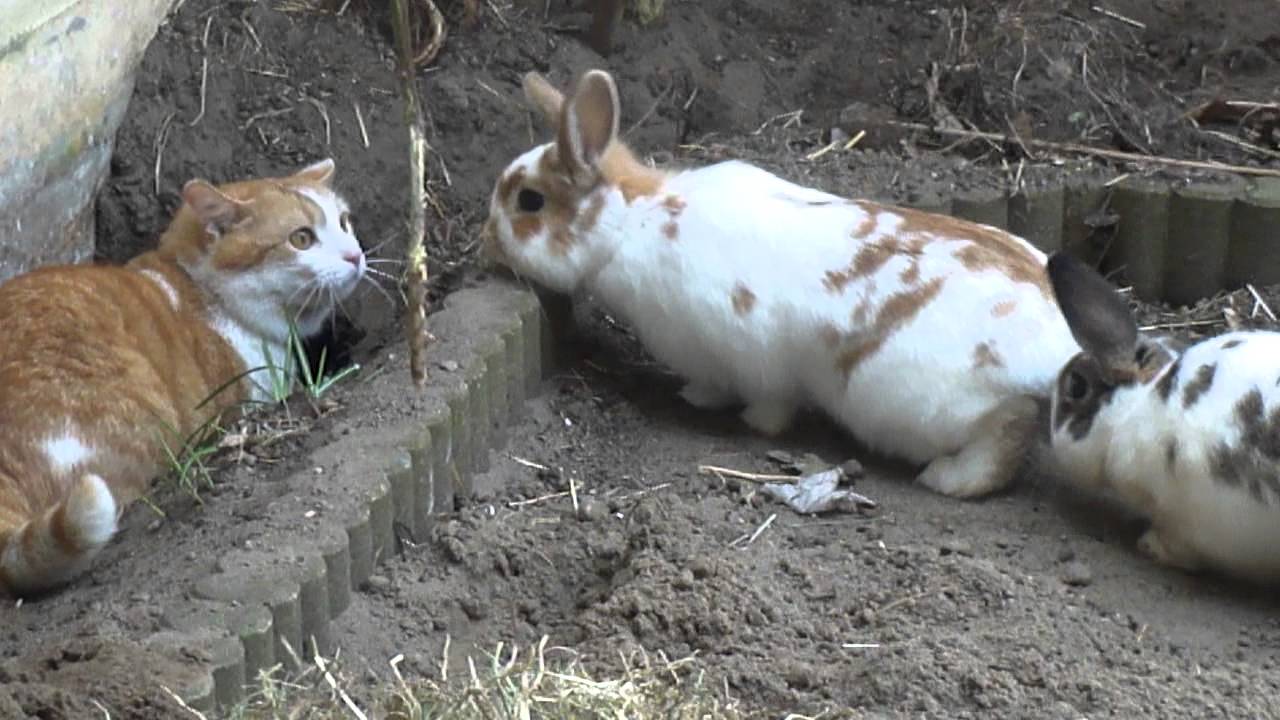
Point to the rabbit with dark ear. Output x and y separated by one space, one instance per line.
1188 438
928 337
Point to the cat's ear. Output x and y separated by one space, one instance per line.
215 209
317 173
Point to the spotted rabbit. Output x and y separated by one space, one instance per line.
928 337
1189 438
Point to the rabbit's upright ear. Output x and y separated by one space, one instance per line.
543 97
1099 318
589 123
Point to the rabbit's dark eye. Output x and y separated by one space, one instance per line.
1141 355
1076 386
530 201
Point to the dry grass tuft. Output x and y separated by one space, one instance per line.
509 683
1248 308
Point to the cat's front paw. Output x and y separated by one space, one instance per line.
706 396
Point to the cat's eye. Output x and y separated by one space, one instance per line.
345 222
530 200
302 238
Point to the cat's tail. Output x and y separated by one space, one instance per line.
55 546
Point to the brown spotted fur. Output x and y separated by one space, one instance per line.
896 311
565 187
743 299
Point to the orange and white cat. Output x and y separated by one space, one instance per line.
100 366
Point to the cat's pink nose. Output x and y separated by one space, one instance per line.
353 257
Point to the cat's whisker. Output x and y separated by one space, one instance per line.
308 285
382 243
315 286
382 274
337 304
380 289
384 261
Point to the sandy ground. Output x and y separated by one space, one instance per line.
1029 604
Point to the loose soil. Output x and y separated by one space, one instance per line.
1029 604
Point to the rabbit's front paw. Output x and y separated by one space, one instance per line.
1168 551
706 396
769 417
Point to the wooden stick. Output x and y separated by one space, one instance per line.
604 22
723 472
415 278
1087 150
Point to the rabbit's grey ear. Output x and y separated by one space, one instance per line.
1099 318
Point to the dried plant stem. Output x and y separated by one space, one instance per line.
605 17
415 278
1088 150
723 472
438 33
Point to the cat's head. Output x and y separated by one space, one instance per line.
270 250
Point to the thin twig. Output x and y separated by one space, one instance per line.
822 150
652 108
1117 16
645 491
529 463
323 114
183 704
444 659
536 500
364 133
793 116
333 685
498 14
162 137
723 472
204 70
1242 144
1178 325
264 115
1262 303
910 599
1087 150
763 527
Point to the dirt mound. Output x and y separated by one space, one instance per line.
95 676
1026 604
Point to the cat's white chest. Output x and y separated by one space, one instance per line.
267 364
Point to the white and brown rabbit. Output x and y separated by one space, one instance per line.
1190 438
928 337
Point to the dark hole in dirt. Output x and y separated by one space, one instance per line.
334 348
